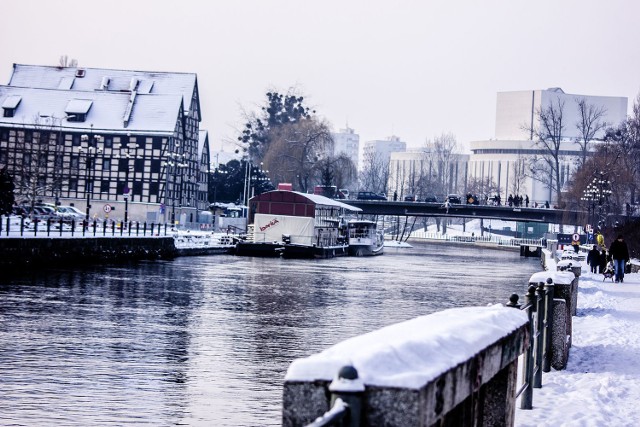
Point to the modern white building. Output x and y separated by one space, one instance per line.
503 159
346 141
420 174
381 149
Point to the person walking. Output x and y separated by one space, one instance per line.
526 200
603 260
593 259
620 255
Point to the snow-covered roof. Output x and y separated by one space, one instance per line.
102 79
322 200
151 114
412 353
11 102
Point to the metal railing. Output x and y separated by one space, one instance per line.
537 357
347 396
23 227
498 240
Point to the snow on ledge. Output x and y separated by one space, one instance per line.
412 353
558 277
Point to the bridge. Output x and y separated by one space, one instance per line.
505 213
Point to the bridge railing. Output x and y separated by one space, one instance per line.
494 239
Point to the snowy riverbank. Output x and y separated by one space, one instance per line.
601 385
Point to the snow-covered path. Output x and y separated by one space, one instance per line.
601 385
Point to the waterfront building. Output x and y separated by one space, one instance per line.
502 161
117 138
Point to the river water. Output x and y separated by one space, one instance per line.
207 340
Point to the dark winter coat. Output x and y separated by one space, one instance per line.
619 250
593 257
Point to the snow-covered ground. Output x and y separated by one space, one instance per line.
601 385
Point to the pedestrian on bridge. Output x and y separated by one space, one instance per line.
526 200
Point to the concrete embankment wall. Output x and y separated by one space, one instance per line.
21 252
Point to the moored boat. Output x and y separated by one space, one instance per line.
295 225
364 238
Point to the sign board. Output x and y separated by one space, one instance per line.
106 208
567 239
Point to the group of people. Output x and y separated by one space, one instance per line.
518 201
612 262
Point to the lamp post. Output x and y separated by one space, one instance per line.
597 197
91 150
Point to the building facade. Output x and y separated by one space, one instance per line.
502 162
113 140
346 141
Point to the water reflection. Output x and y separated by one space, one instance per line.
207 340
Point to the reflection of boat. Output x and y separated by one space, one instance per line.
295 225
364 238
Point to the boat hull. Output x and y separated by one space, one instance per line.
259 249
310 252
366 250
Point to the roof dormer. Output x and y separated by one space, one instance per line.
10 105
77 110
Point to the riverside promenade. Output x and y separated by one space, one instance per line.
601 384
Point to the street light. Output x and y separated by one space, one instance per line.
91 151
597 196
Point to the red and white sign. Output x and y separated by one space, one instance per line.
106 208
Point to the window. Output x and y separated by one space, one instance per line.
104 186
155 166
138 165
154 188
137 188
123 165
73 184
108 142
106 164
157 143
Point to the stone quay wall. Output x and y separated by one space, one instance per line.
26 252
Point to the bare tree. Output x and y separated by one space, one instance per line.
589 124
441 154
295 150
375 172
519 175
40 172
66 62
547 137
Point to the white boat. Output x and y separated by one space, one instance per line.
364 238
295 225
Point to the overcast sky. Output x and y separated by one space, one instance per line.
414 69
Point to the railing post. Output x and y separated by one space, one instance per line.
8 225
526 401
152 224
537 371
137 228
35 227
548 323
61 224
144 230
95 223
346 400
48 227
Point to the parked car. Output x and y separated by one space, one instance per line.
431 198
344 192
70 213
410 198
454 199
370 195
43 213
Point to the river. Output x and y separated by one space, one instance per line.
206 341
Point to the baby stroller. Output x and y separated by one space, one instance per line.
609 272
